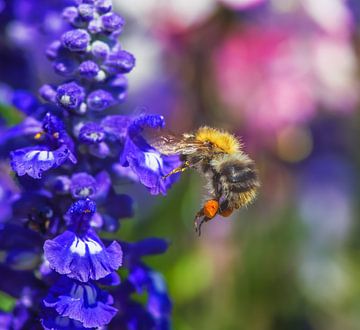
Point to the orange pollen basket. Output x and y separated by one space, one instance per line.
211 207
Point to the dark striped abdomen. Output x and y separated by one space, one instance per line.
238 183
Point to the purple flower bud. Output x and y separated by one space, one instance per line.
95 26
99 100
52 125
100 49
64 66
61 184
91 133
76 40
120 62
88 69
70 95
53 50
103 6
48 93
112 22
86 11
82 185
70 14
119 83
100 150
80 213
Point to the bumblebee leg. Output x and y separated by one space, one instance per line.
200 218
207 213
183 167
198 225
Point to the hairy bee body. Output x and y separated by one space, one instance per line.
232 179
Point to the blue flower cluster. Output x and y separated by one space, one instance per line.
68 154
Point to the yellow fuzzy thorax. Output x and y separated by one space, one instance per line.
247 197
227 142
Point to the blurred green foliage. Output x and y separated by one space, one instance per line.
10 114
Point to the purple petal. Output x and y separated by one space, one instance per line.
83 302
116 126
36 160
112 279
151 167
82 258
51 320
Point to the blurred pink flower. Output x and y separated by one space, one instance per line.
178 15
275 74
241 4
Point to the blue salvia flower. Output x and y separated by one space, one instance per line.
133 315
67 154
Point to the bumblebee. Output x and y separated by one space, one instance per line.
232 179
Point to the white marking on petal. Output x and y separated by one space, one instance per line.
30 155
65 99
153 161
45 155
91 294
78 247
94 247
41 155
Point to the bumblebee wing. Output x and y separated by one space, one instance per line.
170 144
162 140
167 144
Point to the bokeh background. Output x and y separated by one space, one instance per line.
283 75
